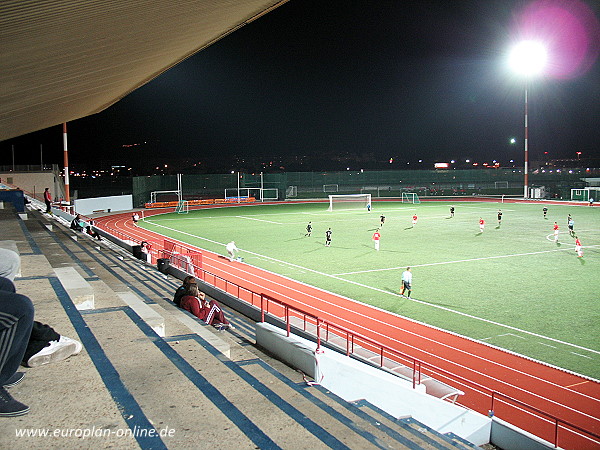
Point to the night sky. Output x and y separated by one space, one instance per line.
410 80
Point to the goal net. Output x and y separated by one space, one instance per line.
584 195
183 207
291 192
269 194
165 196
410 197
349 201
330 188
235 193
258 193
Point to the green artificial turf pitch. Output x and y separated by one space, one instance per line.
511 286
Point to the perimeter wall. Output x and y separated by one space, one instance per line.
391 183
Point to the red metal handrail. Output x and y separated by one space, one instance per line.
351 337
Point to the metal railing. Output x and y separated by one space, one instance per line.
272 306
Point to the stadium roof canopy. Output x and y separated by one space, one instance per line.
61 60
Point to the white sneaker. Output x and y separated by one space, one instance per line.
55 351
78 345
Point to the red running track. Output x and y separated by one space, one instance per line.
566 396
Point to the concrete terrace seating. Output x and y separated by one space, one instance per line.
147 365
432 386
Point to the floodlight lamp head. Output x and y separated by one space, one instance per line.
528 58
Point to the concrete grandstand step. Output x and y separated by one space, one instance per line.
415 428
146 313
433 387
124 273
181 382
79 290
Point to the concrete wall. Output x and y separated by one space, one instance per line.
35 183
509 437
87 206
353 380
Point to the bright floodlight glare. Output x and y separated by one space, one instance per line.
528 58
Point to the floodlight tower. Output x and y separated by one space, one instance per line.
527 59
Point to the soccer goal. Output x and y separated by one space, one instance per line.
410 197
291 192
165 196
584 195
183 207
269 194
234 193
349 201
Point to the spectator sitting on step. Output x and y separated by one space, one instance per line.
16 320
210 312
91 230
10 263
181 290
76 223
44 345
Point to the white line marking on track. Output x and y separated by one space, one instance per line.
501 381
382 291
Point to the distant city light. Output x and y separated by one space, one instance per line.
467 160
391 160
420 160
452 161
441 165
513 141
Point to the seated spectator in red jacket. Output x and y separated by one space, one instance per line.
182 290
210 312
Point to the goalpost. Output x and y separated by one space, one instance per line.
234 193
291 192
183 207
258 193
349 201
164 196
584 195
168 195
410 197
269 194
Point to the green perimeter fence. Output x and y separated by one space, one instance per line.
390 183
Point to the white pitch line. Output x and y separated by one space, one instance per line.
397 295
583 356
259 220
502 335
483 258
